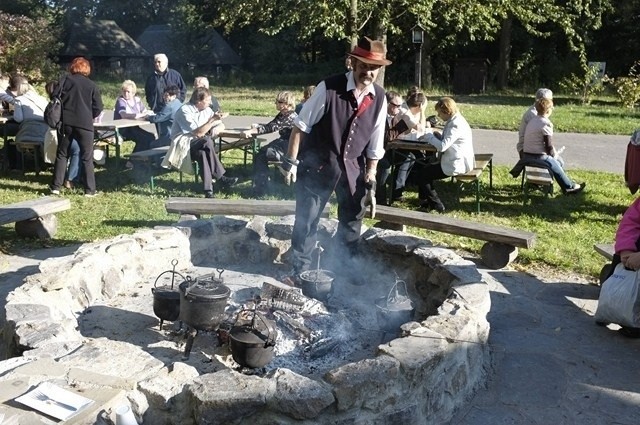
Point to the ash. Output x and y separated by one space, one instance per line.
313 337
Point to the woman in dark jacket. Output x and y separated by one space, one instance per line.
81 103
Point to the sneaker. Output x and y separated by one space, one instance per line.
228 181
68 184
91 194
54 191
577 188
208 194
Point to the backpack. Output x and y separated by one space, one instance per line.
53 111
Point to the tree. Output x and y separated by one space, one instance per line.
572 18
26 45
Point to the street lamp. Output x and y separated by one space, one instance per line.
417 38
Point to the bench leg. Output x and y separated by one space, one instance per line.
498 255
44 227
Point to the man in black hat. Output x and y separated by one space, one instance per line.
343 124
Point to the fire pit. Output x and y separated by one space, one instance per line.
332 361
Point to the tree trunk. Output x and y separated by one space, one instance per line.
380 33
505 53
427 68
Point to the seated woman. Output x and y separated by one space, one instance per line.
627 250
194 127
28 111
537 145
164 119
274 151
129 106
11 127
455 146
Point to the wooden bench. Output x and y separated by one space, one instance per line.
151 160
536 178
32 147
607 251
34 218
482 161
199 206
502 242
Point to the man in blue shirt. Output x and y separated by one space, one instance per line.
164 119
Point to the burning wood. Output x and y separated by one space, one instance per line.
292 324
322 347
279 296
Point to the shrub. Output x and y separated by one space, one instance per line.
628 87
586 86
25 46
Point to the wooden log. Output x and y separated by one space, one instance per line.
472 229
497 255
33 208
197 206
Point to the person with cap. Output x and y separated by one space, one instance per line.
542 93
343 124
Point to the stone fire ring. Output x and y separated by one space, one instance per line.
421 377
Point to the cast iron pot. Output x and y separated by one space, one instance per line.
203 300
395 309
252 344
317 283
166 299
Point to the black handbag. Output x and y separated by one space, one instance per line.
53 111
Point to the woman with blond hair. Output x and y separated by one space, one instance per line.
283 122
455 147
130 106
81 103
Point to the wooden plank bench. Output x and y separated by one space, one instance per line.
199 206
30 147
151 160
607 251
502 242
536 178
35 217
482 161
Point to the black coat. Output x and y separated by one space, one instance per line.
81 102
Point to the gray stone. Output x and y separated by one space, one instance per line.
299 397
44 227
228 397
371 383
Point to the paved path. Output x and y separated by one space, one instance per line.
595 152
551 364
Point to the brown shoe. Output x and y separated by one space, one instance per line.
68 185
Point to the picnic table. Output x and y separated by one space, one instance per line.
110 124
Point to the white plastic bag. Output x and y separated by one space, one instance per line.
618 302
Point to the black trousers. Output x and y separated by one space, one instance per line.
203 151
313 189
274 151
85 140
427 175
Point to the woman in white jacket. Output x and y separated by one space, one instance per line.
455 148
29 112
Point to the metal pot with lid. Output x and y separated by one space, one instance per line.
395 309
166 299
203 301
252 344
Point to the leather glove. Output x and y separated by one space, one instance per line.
289 169
368 201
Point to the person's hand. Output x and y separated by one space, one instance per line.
247 134
289 169
630 259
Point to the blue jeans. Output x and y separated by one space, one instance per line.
74 162
558 173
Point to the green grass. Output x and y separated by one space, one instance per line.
566 226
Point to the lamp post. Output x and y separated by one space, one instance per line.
417 37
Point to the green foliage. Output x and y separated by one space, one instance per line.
26 46
628 88
586 85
